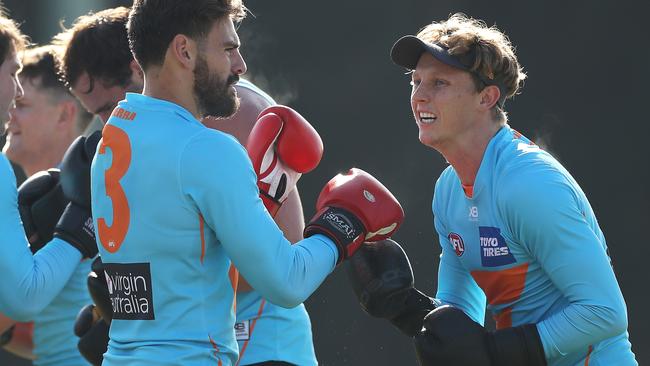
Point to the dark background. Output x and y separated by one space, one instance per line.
585 99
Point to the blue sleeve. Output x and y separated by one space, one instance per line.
224 188
455 284
546 213
29 282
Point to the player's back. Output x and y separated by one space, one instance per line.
168 278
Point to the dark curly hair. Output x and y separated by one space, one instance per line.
154 23
96 44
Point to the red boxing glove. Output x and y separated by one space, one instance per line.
355 207
282 146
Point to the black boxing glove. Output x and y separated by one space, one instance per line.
450 337
92 331
381 276
98 289
76 225
40 204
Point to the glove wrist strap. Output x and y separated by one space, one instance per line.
76 228
516 346
340 225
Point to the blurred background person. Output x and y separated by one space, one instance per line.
46 119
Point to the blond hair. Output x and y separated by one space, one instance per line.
493 55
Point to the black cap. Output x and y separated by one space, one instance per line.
407 50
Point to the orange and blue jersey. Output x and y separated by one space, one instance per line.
265 331
525 241
174 202
47 287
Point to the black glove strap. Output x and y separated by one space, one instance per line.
516 346
340 225
76 228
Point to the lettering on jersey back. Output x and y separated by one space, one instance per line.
123 114
518 136
129 287
494 249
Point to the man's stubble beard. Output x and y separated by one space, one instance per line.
213 95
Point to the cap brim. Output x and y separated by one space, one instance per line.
406 52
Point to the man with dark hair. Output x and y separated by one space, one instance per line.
30 282
174 202
266 332
96 62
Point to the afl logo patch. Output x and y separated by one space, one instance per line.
457 242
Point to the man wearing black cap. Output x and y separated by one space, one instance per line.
517 232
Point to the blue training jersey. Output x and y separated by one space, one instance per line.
55 343
265 331
173 203
527 242
29 282
47 287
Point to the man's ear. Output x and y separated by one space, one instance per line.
490 96
67 113
184 50
137 75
